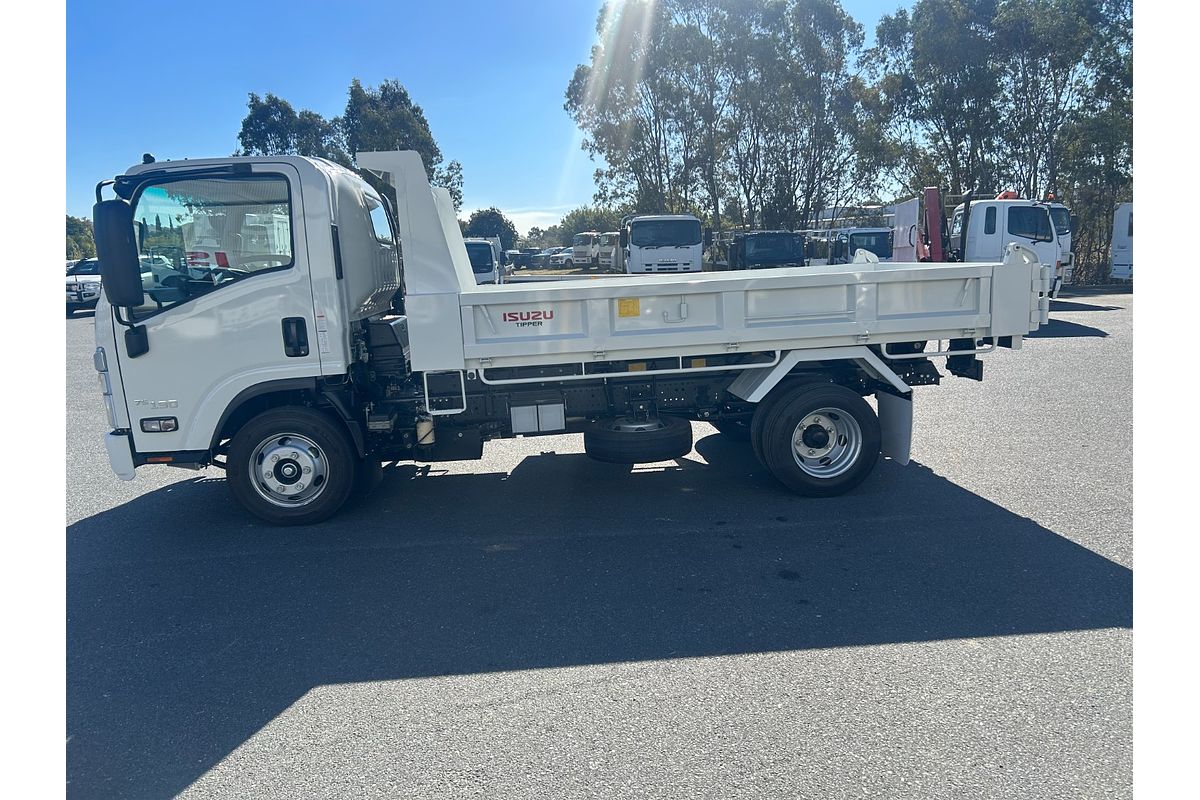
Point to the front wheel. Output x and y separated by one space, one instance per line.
291 466
820 441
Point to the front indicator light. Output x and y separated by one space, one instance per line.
160 425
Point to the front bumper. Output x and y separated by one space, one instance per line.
120 455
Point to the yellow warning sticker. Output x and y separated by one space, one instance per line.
629 307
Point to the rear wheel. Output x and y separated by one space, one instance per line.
625 440
820 441
291 466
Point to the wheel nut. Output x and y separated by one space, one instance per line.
299 487
810 452
275 457
309 469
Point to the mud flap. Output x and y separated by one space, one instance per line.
895 424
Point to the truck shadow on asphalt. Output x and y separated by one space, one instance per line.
1066 305
190 628
1061 329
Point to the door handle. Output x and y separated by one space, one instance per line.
295 337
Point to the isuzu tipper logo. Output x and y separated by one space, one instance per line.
528 319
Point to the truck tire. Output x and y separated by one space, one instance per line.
763 411
820 441
624 441
291 466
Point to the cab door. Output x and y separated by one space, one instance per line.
238 317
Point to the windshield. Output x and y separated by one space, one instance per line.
879 243
1030 222
85 268
664 232
1062 220
583 239
775 247
480 254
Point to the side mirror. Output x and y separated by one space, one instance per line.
708 237
117 249
624 239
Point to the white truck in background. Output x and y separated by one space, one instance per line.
585 250
657 243
992 225
1121 247
299 371
609 243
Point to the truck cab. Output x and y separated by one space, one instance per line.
766 250
655 243
609 242
877 241
585 250
994 224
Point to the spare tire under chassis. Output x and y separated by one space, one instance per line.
625 440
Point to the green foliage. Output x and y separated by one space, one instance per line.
589 218
491 222
80 242
704 104
272 127
383 118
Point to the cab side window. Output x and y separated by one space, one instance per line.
197 235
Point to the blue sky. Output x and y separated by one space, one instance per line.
490 76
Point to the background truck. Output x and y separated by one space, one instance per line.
585 250
662 243
981 229
609 241
766 250
300 371
1121 249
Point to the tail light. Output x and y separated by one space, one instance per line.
222 260
197 258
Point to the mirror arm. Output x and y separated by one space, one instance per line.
100 186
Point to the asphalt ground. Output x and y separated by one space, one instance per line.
537 624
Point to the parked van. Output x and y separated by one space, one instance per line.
487 259
1122 244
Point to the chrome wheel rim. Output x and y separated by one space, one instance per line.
827 442
288 470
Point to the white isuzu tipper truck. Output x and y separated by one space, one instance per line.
300 370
